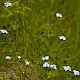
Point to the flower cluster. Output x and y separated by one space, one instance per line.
47 65
53 66
19 57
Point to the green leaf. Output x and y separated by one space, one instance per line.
16 3
14 27
50 35
51 74
24 60
19 12
11 49
10 13
18 53
25 7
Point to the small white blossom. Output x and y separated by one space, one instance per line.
59 15
46 65
76 73
45 58
62 37
8 57
67 68
53 66
19 57
23 72
3 31
7 4
27 63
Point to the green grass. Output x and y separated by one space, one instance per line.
33 33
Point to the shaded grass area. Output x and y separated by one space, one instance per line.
33 33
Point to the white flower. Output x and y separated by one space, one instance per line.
27 63
62 37
19 57
23 72
45 58
46 65
76 73
7 4
59 15
3 31
53 66
8 57
67 68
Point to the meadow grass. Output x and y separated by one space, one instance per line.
33 31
